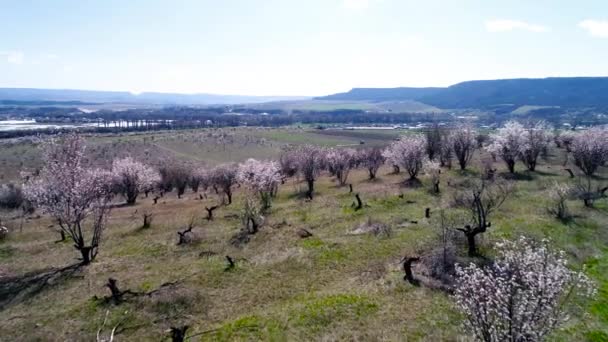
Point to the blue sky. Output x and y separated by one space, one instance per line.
283 47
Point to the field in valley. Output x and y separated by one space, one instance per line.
334 285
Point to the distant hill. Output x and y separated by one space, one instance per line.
554 91
93 96
381 94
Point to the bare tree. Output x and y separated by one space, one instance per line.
433 141
481 199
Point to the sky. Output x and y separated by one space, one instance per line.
288 47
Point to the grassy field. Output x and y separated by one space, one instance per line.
332 286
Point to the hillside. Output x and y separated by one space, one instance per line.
563 91
382 94
554 91
93 96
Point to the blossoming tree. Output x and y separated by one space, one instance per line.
261 177
132 178
463 144
73 194
521 296
408 152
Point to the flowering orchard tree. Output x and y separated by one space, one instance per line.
408 152
590 149
534 141
446 152
288 162
372 159
311 160
463 144
507 143
340 162
261 177
132 178
72 194
521 296
198 177
223 177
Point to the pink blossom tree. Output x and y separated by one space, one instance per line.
311 160
223 177
590 149
72 194
340 161
535 139
409 153
463 144
132 178
507 143
260 177
372 159
521 296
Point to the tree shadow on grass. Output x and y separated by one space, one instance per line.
17 289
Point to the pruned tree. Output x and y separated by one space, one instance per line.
340 161
463 144
72 194
223 177
507 143
589 191
311 160
521 296
590 150
372 159
260 177
409 153
130 178
481 199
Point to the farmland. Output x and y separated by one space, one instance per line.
337 284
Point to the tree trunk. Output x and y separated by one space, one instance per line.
178 334
229 195
131 198
471 243
407 268
372 173
511 166
87 255
311 188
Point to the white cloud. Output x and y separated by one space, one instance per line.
596 28
13 57
51 56
355 4
503 25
